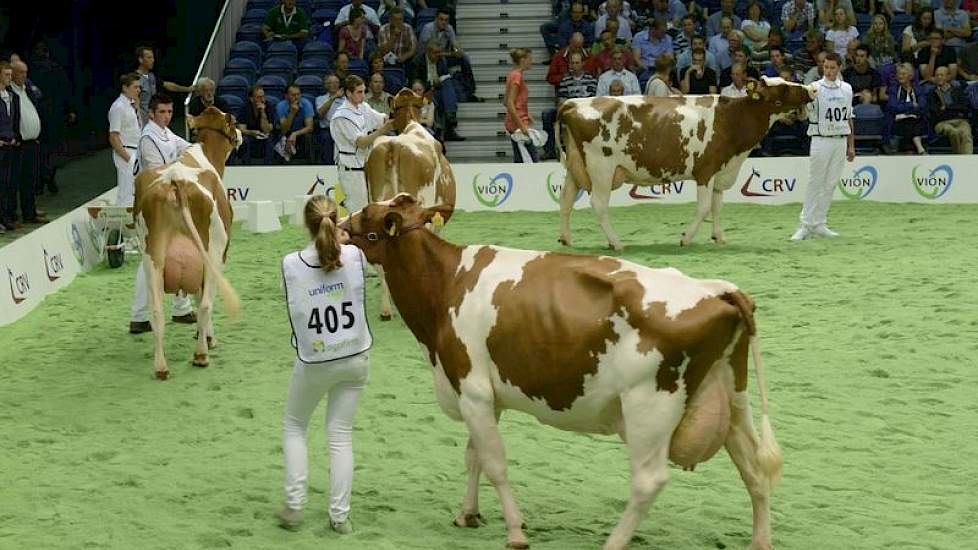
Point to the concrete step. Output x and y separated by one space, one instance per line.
498 26
475 10
498 3
503 42
538 89
494 55
493 149
489 73
495 110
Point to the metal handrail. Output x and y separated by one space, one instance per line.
218 48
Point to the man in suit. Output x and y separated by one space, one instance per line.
433 70
9 149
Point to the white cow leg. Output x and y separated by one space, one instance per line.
716 205
742 446
600 197
154 278
470 516
480 418
703 205
649 420
567 196
385 296
205 329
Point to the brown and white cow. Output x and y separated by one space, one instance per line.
412 162
657 140
183 218
583 343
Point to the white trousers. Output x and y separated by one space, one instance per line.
826 161
142 306
343 380
124 178
354 185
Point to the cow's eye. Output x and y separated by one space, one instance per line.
777 103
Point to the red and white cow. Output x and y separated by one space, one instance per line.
412 162
184 219
583 343
657 140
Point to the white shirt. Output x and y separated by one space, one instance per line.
349 123
731 90
830 113
159 146
124 121
30 121
344 15
628 78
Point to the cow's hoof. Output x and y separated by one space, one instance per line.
563 241
386 316
211 342
518 544
719 240
162 374
470 520
616 247
200 360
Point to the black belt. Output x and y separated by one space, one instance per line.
352 169
832 137
129 147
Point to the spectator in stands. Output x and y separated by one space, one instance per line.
375 65
377 98
840 33
295 117
204 98
575 24
326 106
755 27
683 40
601 61
886 8
739 57
353 36
56 109
396 42
648 45
775 39
718 43
826 12
867 87
948 111
906 108
714 23
372 20
778 62
427 114
9 149
256 128
124 136
286 22
433 70
660 84
971 6
917 36
698 79
406 7
797 17
440 30
560 62
614 13
882 46
613 27
626 9
738 82
616 88
643 11
672 11
341 65
685 59
936 55
618 72
735 43
148 81
955 23
968 62
27 168
815 72
518 118
576 83
805 58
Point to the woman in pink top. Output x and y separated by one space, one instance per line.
517 94
353 37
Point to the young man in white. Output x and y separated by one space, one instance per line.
124 133
158 145
830 129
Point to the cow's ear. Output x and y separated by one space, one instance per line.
392 223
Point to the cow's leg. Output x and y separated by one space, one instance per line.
204 327
470 516
600 197
742 444
385 296
480 418
716 206
154 279
702 209
650 417
567 198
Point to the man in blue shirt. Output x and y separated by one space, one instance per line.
649 44
295 117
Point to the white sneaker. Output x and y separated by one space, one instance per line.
824 231
803 233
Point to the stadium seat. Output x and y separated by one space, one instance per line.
868 124
254 16
360 68
423 17
279 67
329 4
274 85
283 49
235 85
235 103
248 50
241 66
320 50
314 66
310 85
262 4
394 79
250 33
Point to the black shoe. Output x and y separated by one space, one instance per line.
187 319
139 327
452 136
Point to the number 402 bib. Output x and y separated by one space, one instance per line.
326 309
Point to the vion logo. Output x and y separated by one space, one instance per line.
934 184
19 286
495 192
555 190
759 186
860 184
657 191
54 265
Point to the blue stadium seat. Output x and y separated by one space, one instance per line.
283 49
236 85
248 50
273 85
314 66
262 4
282 68
329 4
394 79
868 123
254 16
235 103
320 50
241 66
250 33
310 85
423 17
360 68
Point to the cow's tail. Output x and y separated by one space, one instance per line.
557 138
230 297
769 455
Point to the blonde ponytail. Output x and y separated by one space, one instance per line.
320 217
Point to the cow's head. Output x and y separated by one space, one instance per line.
221 123
406 107
374 228
780 96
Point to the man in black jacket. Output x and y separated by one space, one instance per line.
9 148
948 112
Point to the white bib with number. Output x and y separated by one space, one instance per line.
326 309
831 111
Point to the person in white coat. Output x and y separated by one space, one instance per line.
831 132
325 294
354 127
158 145
124 132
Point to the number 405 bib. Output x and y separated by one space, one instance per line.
326 309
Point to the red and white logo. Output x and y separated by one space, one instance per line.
19 286
54 265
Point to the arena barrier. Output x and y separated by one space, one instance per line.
47 259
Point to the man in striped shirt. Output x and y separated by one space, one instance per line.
576 83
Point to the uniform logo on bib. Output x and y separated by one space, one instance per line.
335 290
